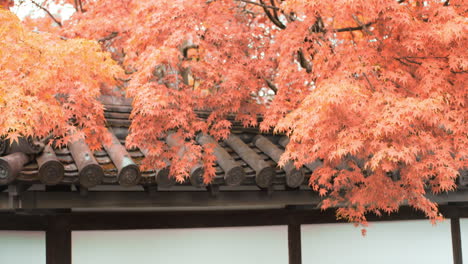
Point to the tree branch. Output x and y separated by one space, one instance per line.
362 25
271 85
109 37
347 29
271 17
80 3
402 62
430 57
78 6
370 84
318 26
47 12
412 61
275 12
303 61
259 4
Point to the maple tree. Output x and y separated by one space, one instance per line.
375 89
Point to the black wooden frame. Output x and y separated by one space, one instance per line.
58 224
456 240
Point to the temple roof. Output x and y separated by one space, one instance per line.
246 158
246 161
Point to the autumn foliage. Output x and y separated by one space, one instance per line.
50 85
376 89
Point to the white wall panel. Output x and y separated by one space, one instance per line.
231 245
22 247
385 243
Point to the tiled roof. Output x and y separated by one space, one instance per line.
246 158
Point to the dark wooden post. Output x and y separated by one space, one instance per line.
294 244
58 240
456 240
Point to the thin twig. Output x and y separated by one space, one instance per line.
412 61
364 27
402 62
370 84
48 13
440 58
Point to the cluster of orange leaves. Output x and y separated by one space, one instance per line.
384 105
50 86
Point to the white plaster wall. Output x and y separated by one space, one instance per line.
22 247
233 245
385 243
